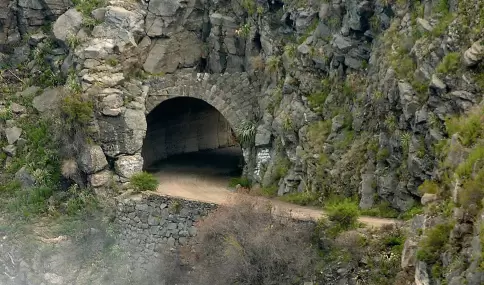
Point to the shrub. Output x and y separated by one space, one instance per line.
246 133
428 187
383 154
469 127
412 212
317 134
273 64
281 168
87 6
301 198
383 210
143 181
472 193
450 63
76 110
473 163
344 213
434 242
243 243
28 202
243 181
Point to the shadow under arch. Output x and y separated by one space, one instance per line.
189 132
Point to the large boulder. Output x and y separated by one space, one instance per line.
127 165
13 134
474 54
25 178
123 134
92 159
68 24
48 100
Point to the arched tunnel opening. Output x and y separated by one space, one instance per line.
189 143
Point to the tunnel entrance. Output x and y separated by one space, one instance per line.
187 138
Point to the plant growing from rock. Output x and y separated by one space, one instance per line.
405 138
273 64
246 133
243 31
76 110
450 63
290 50
72 41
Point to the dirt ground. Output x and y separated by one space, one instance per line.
205 176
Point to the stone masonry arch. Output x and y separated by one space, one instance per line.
232 95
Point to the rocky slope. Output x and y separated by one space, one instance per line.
349 98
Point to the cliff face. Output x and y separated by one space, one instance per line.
348 98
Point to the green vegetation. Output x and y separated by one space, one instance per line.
473 163
250 6
72 41
244 30
429 186
343 213
76 110
143 181
270 191
112 61
301 198
290 50
450 63
469 127
434 242
242 181
317 134
383 210
282 167
383 154
87 6
412 212
246 133
273 64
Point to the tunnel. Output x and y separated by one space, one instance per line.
187 137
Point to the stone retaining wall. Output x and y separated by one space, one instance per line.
152 222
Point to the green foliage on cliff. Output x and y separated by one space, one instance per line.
469 127
87 6
450 63
434 243
76 110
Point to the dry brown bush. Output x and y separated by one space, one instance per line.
243 243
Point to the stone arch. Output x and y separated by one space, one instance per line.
184 124
233 95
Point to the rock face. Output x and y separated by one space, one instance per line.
92 159
20 17
167 55
475 53
13 134
48 100
67 25
344 97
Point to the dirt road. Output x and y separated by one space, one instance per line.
208 183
